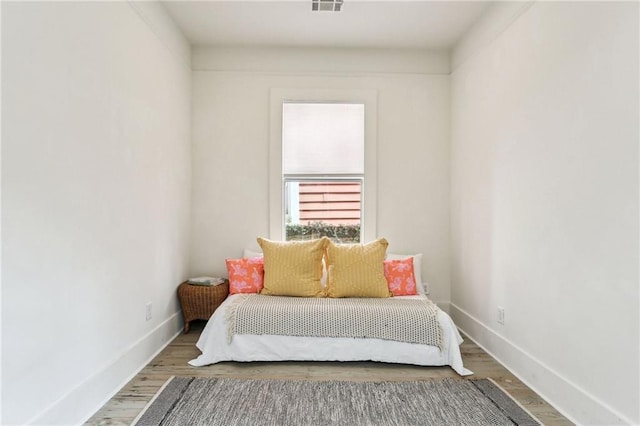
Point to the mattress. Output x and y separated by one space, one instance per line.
216 347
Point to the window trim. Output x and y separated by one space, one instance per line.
368 97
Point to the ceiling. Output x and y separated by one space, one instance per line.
361 24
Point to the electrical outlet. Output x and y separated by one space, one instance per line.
148 310
500 315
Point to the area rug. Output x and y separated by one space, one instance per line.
238 402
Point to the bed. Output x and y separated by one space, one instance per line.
216 346
321 301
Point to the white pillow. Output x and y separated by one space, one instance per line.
252 253
422 287
248 253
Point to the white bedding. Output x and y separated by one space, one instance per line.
215 347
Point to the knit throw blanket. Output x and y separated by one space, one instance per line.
403 320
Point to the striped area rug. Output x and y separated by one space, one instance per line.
235 402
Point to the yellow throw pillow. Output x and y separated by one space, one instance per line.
293 268
357 270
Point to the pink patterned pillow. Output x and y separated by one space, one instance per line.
245 275
400 277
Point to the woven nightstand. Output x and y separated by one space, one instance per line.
200 301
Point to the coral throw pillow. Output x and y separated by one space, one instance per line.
246 275
400 277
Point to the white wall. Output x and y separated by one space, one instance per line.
545 201
231 147
96 201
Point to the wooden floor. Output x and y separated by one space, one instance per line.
172 361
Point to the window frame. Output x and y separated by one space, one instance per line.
276 182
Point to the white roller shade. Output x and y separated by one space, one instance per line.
322 138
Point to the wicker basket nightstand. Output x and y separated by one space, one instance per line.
199 301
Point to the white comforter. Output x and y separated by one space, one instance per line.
215 346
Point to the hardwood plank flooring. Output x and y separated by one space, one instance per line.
172 361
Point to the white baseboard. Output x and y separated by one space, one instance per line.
568 398
81 402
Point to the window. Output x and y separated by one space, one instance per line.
323 170
322 151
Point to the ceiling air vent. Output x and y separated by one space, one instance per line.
326 5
